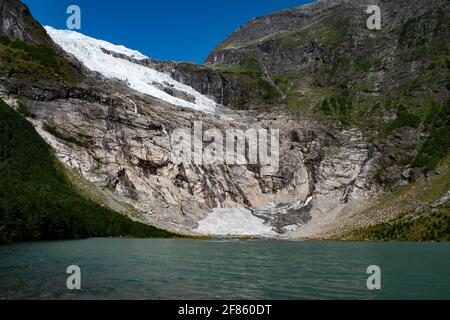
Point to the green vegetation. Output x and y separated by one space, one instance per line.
4 40
22 109
54 132
249 76
367 64
418 32
269 92
34 62
36 200
332 37
404 119
421 40
437 145
434 227
430 119
249 66
432 123
339 108
418 218
284 82
191 67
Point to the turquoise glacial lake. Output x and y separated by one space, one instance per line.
185 269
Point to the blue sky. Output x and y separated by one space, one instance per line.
168 30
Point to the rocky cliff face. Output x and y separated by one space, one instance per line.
322 59
346 100
17 22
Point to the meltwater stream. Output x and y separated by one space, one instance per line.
184 269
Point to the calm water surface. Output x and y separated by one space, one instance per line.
184 269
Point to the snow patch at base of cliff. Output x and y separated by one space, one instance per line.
233 222
138 77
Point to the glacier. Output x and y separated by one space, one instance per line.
270 221
138 77
233 222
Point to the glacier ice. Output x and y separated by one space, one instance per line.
234 222
138 77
